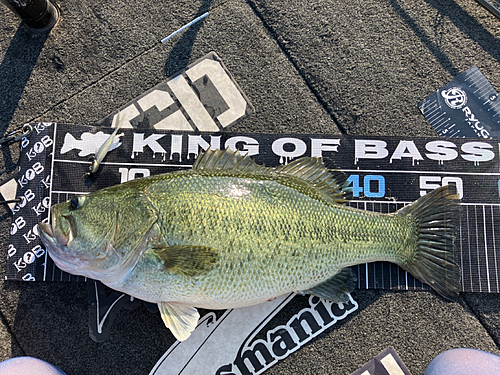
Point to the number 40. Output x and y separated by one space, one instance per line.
373 185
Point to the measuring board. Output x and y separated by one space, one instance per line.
466 107
385 174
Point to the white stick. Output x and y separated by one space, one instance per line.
185 27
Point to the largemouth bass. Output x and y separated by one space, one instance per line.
230 233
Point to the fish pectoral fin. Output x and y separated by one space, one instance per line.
336 288
179 318
187 260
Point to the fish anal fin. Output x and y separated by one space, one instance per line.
336 288
187 260
181 319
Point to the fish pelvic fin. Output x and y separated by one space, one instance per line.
179 318
336 288
437 216
332 183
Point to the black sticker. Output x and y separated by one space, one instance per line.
466 107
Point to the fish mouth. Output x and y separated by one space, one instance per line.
61 232
56 244
56 238
103 262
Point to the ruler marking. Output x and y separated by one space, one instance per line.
381 264
366 275
68 192
390 274
410 202
432 108
483 82
436 126
126 164
490 90
480 85
472 74
494 246
436 110
495 105
439 118
469 247
429 106
399 281
461 254
366 267
422 172
477 251
432 117
486 249
53 270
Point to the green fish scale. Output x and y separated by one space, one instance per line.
272 235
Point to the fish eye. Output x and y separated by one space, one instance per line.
76 202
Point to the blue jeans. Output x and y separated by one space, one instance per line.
464 362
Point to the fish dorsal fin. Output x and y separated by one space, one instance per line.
312 169
187 260
336 288
179 318
333 183
227 160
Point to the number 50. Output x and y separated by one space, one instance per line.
433 182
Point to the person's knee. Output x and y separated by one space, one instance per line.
464 362
28 366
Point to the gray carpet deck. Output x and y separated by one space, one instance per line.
315 66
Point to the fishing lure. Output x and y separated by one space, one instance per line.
104 149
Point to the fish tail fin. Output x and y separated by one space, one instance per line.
436 216
69 143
